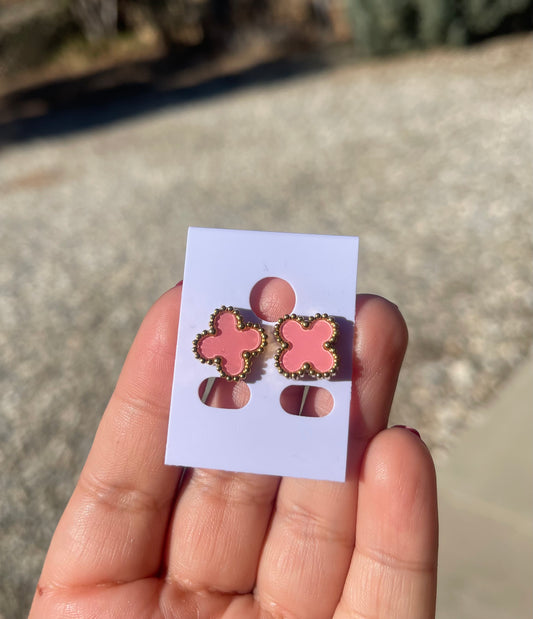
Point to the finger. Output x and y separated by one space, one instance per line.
394 567
218 530
114 525
308 550
226 394
221 518
306 401
380 344
272 298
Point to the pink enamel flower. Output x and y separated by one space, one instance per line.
307 346
229 343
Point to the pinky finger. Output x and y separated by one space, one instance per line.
393 572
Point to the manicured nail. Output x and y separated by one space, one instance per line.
416 432
180 283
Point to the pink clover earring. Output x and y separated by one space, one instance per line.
307 346
229 343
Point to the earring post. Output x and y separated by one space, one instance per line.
208 388
304 398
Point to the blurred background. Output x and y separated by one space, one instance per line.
405 122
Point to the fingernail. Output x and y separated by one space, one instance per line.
180 283
412 430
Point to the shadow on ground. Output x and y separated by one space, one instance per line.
132 89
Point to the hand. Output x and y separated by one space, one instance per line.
131 545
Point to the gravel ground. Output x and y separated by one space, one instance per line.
423 157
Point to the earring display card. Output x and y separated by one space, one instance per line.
221 268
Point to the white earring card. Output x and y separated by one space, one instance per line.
221 268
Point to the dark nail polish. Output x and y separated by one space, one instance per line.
412 430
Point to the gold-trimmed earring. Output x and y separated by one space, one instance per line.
229 343
307 346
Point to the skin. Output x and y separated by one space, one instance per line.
133 543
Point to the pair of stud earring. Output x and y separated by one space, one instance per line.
306 345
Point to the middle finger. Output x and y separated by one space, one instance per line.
310 543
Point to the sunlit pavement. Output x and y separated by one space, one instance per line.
486 511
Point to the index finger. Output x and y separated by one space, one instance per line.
114 525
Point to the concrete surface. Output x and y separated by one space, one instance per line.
425 157
486 512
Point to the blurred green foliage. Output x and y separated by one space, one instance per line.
386 26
